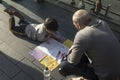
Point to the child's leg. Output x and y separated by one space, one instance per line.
16 29
11 23
22 21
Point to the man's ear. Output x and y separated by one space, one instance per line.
78 26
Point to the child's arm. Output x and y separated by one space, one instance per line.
56 37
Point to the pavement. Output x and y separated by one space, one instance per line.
15 62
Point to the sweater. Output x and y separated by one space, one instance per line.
98 42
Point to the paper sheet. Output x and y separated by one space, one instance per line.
54 49
38 54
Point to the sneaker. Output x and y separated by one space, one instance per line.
10 11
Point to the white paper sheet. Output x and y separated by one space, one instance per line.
54 48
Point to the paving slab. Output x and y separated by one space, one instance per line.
31 70
1 72
1 42
21 49
4 77
7 66
14 56
37 63
22 76
7 37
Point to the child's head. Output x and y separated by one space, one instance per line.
51 24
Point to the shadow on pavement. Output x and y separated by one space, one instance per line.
28 39
22 70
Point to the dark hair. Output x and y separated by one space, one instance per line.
51 24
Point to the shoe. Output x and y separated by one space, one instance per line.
61 72
10 11
13 12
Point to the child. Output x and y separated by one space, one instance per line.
40 32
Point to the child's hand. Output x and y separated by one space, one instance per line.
56 38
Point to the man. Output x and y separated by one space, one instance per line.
95 40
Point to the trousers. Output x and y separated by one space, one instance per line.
20 29
82 69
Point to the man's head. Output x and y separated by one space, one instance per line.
81 18
51 25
